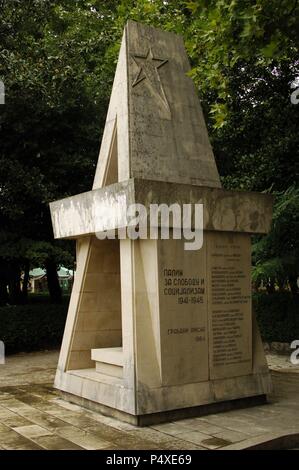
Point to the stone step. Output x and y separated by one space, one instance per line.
109 361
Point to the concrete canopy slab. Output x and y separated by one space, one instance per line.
106 208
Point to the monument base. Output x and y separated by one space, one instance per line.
166 416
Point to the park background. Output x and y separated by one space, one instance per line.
57 61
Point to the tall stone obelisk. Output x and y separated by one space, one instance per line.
155 331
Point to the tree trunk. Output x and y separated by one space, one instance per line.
3 293
3 282
281 285
293 284
25 282
15 296
53 283
270 287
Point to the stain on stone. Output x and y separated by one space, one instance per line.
215 442
254 220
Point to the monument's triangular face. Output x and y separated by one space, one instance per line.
116 127
111 169
156 114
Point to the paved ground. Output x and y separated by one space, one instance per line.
29 368
32 416
282 363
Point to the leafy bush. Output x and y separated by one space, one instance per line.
277 316
276 256
32 327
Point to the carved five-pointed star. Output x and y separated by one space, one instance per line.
148 69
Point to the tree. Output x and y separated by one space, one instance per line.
56 93
276 256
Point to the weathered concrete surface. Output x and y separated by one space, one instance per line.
106 208
93 211
155 114
33 416
168 135
28 368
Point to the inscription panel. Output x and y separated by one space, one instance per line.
183 313
229 304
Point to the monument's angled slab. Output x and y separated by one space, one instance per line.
155 331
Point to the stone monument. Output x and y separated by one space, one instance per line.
138 344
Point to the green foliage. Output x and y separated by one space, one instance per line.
276 256
33 251
277 316
52 65
32 327
57 85
226 34
257 149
